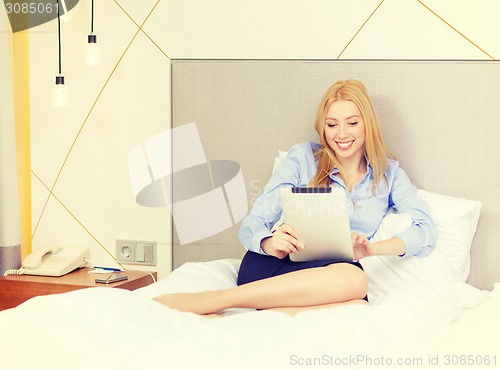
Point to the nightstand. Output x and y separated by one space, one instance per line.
15 289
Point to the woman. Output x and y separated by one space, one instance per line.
351 155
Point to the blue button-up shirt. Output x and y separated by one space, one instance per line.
367 208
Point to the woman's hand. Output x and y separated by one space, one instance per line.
362 247
283 242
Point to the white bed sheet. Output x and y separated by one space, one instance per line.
100 327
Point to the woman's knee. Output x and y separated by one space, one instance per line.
351 278
360 283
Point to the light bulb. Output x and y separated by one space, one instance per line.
92 51
59 93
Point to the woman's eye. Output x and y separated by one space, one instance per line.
331 125
353 123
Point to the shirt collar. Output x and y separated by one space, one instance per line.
369 168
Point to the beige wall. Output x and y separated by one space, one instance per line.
80 186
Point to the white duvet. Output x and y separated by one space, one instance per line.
109 327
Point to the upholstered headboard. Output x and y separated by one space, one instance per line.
439 118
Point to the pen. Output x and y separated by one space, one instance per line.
108 268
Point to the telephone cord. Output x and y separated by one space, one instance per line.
14 271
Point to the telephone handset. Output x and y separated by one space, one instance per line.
53 261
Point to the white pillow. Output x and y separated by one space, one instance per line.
456 221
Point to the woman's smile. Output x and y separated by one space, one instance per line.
344 145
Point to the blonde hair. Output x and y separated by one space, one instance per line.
375 148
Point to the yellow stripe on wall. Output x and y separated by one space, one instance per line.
21 71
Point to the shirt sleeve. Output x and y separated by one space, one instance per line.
266 210
420 238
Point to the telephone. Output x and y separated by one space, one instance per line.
53 261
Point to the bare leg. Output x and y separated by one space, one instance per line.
295 310
304 288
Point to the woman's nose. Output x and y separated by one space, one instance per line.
342 131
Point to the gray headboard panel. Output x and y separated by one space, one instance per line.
439 118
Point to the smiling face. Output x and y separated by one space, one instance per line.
345 131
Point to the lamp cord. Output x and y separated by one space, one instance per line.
59 35
92 19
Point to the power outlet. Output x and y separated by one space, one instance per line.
136 252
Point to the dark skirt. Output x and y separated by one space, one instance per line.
256 266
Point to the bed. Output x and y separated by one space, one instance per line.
421 313
451 323
438 311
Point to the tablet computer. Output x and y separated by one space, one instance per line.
320 217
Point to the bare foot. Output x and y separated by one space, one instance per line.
201 303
